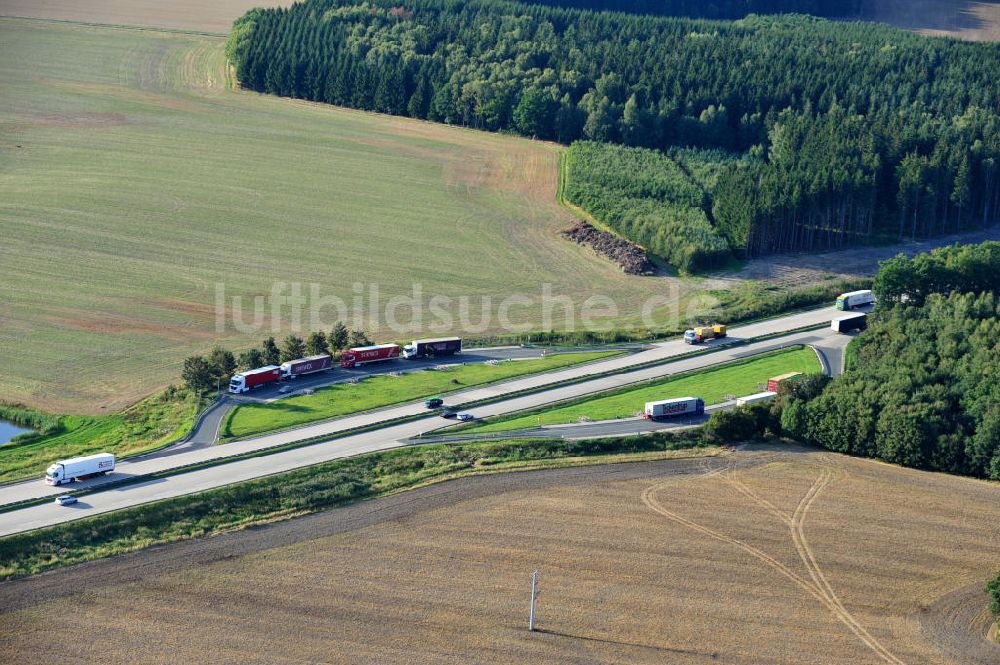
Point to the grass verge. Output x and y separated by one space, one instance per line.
740 377
384 390
309 490
144 426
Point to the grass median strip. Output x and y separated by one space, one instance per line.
740 377
379 391
308 490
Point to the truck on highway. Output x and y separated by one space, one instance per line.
668 408
766 396
775 381
303 366
848 301
362 355
79 468
702 333
440 346
846 324
244 381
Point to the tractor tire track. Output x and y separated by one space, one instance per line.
819 587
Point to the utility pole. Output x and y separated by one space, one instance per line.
534 595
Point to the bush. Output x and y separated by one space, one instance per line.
733 426
993 589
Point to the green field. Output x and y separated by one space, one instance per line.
344 398
133 179
737 378
150 424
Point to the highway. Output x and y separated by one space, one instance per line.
206 431
829 348
384 438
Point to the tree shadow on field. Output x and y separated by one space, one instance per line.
604 640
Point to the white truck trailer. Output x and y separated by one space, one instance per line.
848 301
68 470
668 408
765 396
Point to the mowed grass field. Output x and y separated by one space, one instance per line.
770 557
133 180
738 378
378 391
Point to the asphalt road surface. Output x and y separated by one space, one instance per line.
206 431
340 375
115 498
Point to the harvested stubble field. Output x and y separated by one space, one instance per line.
133 180
767 556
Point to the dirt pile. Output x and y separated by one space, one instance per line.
631 259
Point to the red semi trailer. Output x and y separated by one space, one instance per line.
244 381
363 355
303 366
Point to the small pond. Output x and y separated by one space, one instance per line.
9 430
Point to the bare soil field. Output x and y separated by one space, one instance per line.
767 556
974 20
790 270
216 16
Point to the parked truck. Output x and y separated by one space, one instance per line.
441 346
766 396
79 468
254 378
669 408
848 301
303 366
846 324
775 381
362 355
700 334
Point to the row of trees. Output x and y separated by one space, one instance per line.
204 373
956 268
858 131
648 197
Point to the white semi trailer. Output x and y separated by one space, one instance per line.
68 470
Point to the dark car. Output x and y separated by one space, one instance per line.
433 402
449 414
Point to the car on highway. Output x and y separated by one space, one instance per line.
448 413
433 402
66 500
284 390
464 417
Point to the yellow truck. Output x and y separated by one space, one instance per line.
702 333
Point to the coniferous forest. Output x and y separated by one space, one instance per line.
853 132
